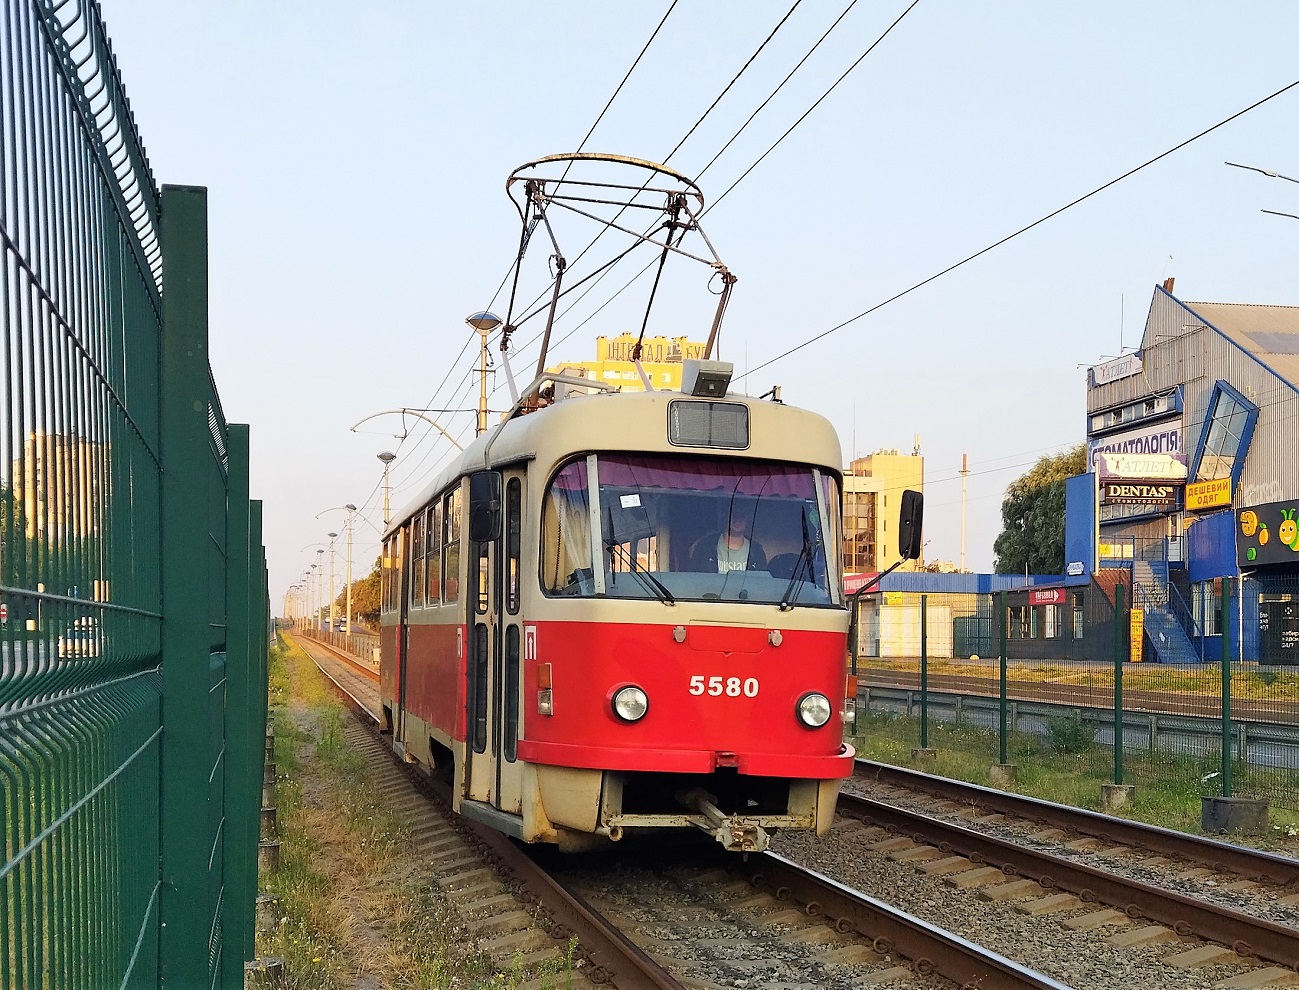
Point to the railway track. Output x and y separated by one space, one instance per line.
1050 859
712 920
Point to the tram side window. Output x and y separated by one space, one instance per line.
513 542
417 562
385 577
433 555
451 547
566 533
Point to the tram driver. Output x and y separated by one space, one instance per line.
732 548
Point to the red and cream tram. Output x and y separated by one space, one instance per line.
617 613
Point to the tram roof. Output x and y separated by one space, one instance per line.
633 421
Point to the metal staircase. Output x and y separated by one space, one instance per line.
1165 614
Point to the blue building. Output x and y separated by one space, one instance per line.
1194 449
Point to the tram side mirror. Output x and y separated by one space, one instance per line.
484 506
910 520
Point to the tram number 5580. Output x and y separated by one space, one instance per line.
732 687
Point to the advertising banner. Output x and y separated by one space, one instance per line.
1268 534
1136 632
1157 438
1111 371
1201 495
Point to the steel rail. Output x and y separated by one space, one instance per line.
614 958
931 950
1247 935
1216 855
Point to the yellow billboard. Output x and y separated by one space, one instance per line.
1201 495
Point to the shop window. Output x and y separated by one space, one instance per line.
1052 617
1206 605
1077 615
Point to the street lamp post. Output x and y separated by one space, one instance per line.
484 324
349 508
333 599
387 457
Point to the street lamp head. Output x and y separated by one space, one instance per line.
350 507
387 456
332 535
483 322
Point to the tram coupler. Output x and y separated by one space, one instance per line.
735 832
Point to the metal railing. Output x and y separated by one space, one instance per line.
1182 613
133 600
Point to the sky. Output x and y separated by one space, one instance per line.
356 158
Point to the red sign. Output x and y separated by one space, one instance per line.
1047 596
4 614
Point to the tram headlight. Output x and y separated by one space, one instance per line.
814 709
630 703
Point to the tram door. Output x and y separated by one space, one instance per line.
403 577
495 638
483 647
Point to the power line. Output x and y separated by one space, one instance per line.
860 58
1023 230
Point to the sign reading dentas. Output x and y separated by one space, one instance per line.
1161 494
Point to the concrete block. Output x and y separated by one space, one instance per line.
1270 976
268 857
894 974
892 845
1096 919
1048 835
944 867
264 973
1115 796
985 876
916 854
1002 774
1244 816
1011 891
268 823
926 755
1087 844
1205 955
1145 935
1050 904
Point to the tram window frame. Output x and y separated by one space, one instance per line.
451 550
417 561
512 678
433 554
513 545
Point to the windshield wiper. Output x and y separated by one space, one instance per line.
656 586
795 585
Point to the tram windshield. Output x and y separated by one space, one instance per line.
696 529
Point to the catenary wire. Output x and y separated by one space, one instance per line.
1025 229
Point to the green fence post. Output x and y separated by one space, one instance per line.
1002 740
1225 626
243 750
924 671
187 895
1120 643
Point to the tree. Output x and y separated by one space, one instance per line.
365 598
1032 516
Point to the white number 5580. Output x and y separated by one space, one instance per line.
732 687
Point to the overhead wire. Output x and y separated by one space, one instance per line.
1025 229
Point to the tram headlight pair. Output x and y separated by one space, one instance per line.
630 703
814 709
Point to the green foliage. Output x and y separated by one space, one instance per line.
365 598
1032 515
1069 734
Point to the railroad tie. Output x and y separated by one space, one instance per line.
1204 955
1270 976
1145 935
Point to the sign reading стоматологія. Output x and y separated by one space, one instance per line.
1268 534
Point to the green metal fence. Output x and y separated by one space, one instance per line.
133 609
1060 690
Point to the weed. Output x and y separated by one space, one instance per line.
1069 734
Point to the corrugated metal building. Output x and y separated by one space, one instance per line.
1213 388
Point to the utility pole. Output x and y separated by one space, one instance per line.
483 324
965 469
350 509
320 591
